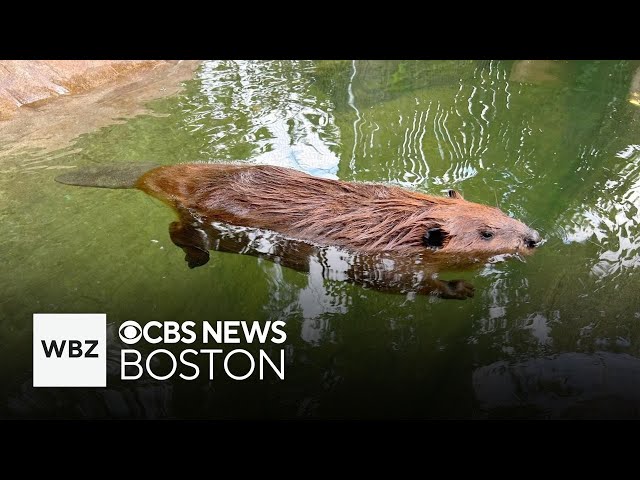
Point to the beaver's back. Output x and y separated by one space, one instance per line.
359 215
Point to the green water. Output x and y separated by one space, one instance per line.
557 336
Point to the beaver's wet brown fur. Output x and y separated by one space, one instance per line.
361 217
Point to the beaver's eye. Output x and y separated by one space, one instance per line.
486 234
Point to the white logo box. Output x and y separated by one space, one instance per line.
77 347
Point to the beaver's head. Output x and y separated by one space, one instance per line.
457 226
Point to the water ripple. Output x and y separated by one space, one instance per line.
440 141
612 223
266 112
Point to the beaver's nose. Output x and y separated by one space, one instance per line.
532 239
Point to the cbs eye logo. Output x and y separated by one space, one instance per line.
130 332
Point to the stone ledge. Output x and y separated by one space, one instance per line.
24 82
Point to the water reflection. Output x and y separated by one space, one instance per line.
634 90
452 124
540 72
568 385
386 271
265 111
438 143
612 221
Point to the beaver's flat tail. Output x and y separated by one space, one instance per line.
117 175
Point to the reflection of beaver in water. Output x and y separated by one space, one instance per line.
362 218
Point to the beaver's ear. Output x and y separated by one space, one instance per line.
454 194
434 238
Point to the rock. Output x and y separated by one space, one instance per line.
25 82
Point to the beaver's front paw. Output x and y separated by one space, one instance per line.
457 289
195 257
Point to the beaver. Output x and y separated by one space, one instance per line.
369 220
363 217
